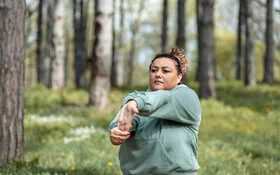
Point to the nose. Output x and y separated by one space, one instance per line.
158 74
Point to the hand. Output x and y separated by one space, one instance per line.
127 114
117 136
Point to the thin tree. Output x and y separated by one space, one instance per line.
199 13
50 49
117 73
57 62
250 77
134 30
102 53
42 75
11 79
114 61
80 50
269 52
181 20
239 40
181 31
206 48
164 35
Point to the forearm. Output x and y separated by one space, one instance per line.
180 105
114 122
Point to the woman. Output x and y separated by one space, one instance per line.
158 129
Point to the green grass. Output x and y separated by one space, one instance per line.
239 133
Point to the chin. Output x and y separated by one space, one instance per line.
155 88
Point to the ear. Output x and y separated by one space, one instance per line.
179 78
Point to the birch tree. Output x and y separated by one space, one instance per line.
102 53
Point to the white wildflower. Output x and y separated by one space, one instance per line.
48 119
87 130
70 139
80 134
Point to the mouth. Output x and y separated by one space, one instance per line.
158 82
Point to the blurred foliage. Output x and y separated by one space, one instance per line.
39 99
239 133
74 97
225 54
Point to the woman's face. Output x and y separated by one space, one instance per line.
163 74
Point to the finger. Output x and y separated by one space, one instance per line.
117 132
114 140
117 136
118 140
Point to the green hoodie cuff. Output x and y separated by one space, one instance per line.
140 103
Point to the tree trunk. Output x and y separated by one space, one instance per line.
50 49
80 43
41 76
117 74
199 12
239 40
269 52
164 35
113 63
102 53
12 17
181 34
207 52
250 77
58 64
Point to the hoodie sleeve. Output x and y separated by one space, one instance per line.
180 104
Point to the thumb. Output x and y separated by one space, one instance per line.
135 110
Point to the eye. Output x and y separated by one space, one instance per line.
166 71
153 70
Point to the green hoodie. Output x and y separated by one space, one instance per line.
164 134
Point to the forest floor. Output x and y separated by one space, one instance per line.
239 133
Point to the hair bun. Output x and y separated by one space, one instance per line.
180 55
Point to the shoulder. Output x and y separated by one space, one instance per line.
184 88
184 92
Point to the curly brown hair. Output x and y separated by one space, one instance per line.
180 55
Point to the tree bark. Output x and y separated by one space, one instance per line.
239 40
50 48
117 74
41 77
12 17
207 50
181 32
102 53
164 35
269 52
58 64
80 49
250 77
